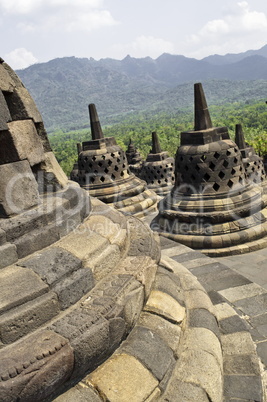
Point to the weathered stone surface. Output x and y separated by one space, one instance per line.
79 393
223 310
201 339
4 113
52 264
242 292
26 287
169 283
18 188
26 141
69 290
88 333
120 377
22 106
239 343
78 245
165 305
253 305
202 318
30 316
233 324
51 166
170 333
189 369
2 237
8 254
133 305
141 242
241 386
38 364
243 364
149 349
184 391
37 239
6 81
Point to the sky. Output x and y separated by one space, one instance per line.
36 31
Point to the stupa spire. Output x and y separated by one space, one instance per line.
202 115
156 149
96 129
239 137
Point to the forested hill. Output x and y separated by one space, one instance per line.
62 88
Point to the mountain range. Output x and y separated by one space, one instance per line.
63 87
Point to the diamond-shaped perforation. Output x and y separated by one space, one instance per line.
113 177
109 162
235 160
216 186
228 153
203 158
221 175
206 177
116 168
106 170
197 168
102 178
94 158
216 155
230 183
225 163
212 166
233 172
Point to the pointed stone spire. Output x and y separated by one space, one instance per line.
155 144
239 137
96 129
79 148
202 116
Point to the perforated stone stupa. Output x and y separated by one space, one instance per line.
253 163
134 158
215 205
158 169
103 170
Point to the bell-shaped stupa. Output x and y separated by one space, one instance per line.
134 158
253 163
158 169
215 206
74 273
103 170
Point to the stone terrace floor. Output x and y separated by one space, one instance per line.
244 287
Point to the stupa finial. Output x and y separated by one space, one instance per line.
155 144
202 115
96 129
239 137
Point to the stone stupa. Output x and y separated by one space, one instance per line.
134 158
158 169
252 162
68 263
215 205
103 170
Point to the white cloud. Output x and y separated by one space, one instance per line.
20 58
240 29
144 46
58 15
